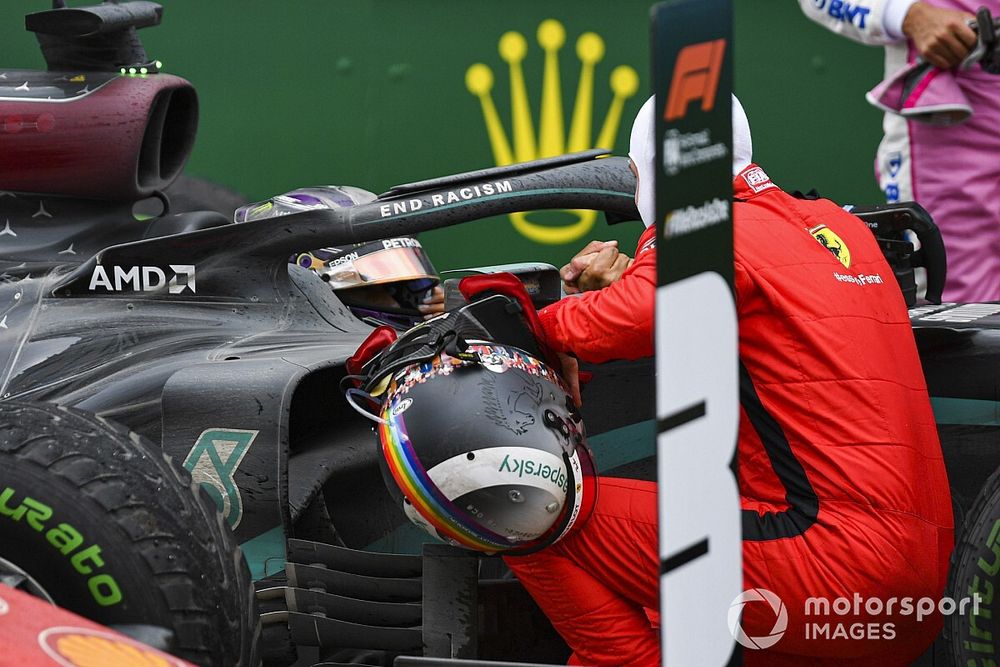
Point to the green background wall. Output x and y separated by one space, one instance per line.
372 93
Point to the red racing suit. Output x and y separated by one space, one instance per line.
613 323
842 481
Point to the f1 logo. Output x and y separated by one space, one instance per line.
696 77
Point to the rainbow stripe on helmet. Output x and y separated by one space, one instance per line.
413 480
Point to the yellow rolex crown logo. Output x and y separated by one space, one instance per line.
551 139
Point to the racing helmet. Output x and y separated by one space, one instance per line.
484 448
382 282
304 199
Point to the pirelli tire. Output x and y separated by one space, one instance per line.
975 569
102 522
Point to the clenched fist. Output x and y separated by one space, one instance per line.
598 265
941 36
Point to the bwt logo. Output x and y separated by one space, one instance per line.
696 77
845 11
757 595
143 279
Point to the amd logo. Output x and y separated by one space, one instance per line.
143 279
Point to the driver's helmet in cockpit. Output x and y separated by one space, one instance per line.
382 282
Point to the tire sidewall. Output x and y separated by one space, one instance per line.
160 551
102 577
975 571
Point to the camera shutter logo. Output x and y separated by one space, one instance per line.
757 595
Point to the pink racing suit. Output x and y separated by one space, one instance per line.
954 171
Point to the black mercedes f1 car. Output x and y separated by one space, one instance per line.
175 450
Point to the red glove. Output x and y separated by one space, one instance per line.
377 340
508 285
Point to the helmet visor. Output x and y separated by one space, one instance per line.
382 266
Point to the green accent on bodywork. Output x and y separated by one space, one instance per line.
966 411
624 445
611 449
213 461
265 553
407 539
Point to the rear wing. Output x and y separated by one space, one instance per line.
248 261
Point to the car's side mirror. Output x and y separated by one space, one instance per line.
540 280
888 222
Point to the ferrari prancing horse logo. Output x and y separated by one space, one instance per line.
829 240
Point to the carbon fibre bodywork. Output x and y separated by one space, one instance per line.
209 343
